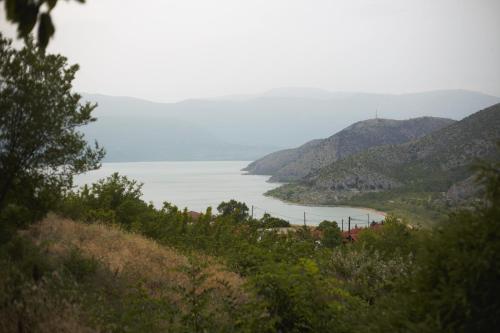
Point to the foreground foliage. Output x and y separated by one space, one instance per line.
40 146
102 275
106 279
308 280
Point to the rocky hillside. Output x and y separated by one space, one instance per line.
293 164
439 162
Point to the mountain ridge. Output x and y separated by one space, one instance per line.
250 128
439 162
293 164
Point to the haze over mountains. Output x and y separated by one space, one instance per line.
247 127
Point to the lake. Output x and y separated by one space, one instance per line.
197 185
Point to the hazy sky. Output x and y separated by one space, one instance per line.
171 50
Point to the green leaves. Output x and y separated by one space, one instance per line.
268 221
26 13
393 279
238 210
40 146
332 236
301 299
45 29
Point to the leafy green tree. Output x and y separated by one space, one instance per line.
301 299
238 210
40 146
332 236
456 288
394 237
115 199
268 221
26 14
367 274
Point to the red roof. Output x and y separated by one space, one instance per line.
194 215
354 233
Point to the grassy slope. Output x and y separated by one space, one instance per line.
125 254
134 282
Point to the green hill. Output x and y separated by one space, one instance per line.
293 164
436 166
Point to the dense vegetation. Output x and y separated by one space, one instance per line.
40 145
392 278
127 266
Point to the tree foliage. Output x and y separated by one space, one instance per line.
332 236
40 146
456 287
268 221
394 278
239 210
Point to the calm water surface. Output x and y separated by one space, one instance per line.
197 185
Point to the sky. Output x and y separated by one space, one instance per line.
170 50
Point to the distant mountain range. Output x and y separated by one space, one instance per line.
250 126
439 162
294 164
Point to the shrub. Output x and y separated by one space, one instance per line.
331 234
268 221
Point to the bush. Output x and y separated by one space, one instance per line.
367 274
331 234
268 221
454 285
79 266
35 296
301 299
115 199
393 238
233 208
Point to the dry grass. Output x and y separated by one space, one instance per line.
129 255
127 261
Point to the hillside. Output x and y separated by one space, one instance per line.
293 164
249 127
438 163
97 278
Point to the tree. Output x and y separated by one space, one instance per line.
238 210
26 13
332 235
40 147
117 197
455 288
394 238
268 221
301 299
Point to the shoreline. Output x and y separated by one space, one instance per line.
373 210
